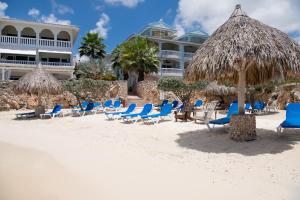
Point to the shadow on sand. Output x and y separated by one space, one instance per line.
218 141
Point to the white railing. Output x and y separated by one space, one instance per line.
9 39
46 42
26 62
28 41
56 64
171 72
64 44
22 62
188 55
169 53
24 41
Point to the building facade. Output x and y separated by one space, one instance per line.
175 53
25 45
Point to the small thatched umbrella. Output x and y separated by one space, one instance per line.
246 51
38 82
219 90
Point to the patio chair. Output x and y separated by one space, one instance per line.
25 115
166 111
259 106
117 115
175 104
88 110
233 109
55 112
198 103
207 112
292 119
136 116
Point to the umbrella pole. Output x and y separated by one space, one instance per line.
241 91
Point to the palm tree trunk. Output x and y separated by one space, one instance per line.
241 91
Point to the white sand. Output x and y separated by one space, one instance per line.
91 158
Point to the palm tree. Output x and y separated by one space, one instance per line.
92 46
136 56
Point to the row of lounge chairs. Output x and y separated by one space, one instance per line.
111 110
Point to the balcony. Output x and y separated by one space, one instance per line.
33 42
171 72
175 54
24 64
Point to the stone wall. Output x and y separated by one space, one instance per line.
148 91
10 100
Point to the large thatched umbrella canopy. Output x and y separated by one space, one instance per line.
38 82
246 51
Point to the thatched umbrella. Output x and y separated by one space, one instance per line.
245 51
38 82
219 90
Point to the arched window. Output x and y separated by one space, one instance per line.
46 34
9 31
63 36
28 33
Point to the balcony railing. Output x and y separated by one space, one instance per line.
169 54
26 63
13 40
188 55
21 62
28 41
175 54
171 72
9 39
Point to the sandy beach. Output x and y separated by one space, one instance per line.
93 158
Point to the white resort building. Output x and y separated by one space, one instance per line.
24 43
175 53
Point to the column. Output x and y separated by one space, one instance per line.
71 40
55 39
3 74
19 36
181 61
37 37
160 60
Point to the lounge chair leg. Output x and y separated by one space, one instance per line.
209 128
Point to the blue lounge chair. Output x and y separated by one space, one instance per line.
259 106
83 104
166 110
175 104
108 103
292 119
88 110
233 109
114 115
198 103
117 105
25 115
55 112
133 117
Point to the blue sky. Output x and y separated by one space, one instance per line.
118 19
124 20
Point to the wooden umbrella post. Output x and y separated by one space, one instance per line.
241 91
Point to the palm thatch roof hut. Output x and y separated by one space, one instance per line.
245 51
38 82
219 90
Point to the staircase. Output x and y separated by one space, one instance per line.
134 99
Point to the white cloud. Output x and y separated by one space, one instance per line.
63 9
33 12
53 20
101 25
3 7
209 14
127 3
60 8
